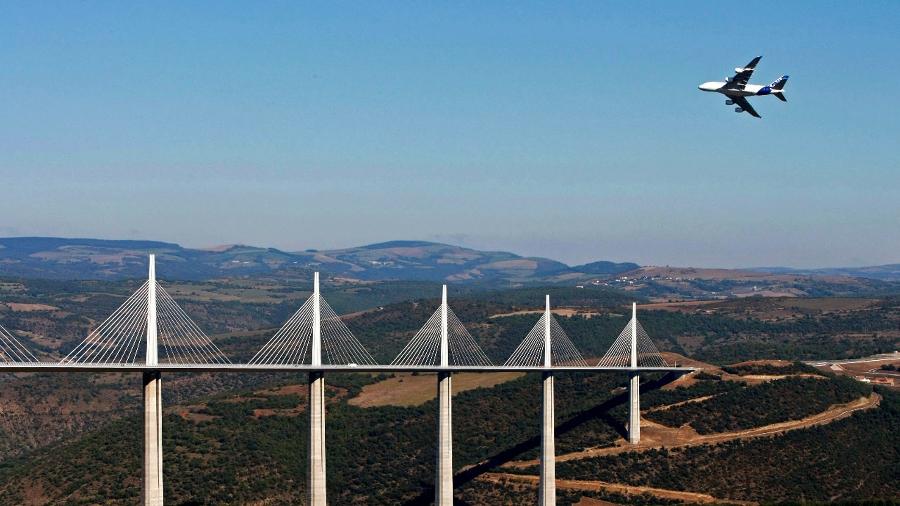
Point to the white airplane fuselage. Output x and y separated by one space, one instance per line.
750 90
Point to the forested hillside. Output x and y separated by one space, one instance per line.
240 438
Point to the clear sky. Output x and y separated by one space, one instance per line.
572 130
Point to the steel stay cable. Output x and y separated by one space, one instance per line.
17 349
268 353
303 340
535 352
430 351
178 335
427 343
165 330
521 354
414 343
477 354
86 348
125 323
125 316
16 345
516 358
345 336
568 351
204 345
97 342
277 344
528 350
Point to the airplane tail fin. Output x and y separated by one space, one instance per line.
779 83
778 87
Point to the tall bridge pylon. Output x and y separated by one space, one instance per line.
443 341
315 335
148 320
546 344
633 349
149 327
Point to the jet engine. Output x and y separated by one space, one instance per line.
729 102
738 109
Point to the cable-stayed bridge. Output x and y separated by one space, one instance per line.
151 334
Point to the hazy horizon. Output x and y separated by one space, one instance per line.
574 132
449 242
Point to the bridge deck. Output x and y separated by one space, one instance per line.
56 367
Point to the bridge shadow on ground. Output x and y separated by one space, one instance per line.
600 411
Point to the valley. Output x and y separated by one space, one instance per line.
236 438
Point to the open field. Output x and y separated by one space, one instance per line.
559 311
406 389
25 307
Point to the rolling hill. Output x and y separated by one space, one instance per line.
57 258
416 261
889 272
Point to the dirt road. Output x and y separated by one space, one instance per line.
658 436
602 486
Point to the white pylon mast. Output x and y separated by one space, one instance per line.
634 335
317 323
152 354
547 344
445 356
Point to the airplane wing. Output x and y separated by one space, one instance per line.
745 105
742 75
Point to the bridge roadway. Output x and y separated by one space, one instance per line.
162 367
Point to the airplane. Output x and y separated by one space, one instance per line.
736 88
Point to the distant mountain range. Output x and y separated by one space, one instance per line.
58 258
889 272
61 258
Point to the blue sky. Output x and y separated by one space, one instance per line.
570 130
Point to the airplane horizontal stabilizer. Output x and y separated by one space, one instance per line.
780 96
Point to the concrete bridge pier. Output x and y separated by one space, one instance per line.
152 493
547 488
316 471
316 481
634 408
443 484
634 385
547 485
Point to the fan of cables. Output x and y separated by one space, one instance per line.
291 344
425 347
530 352
11 350
122 337
619 354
